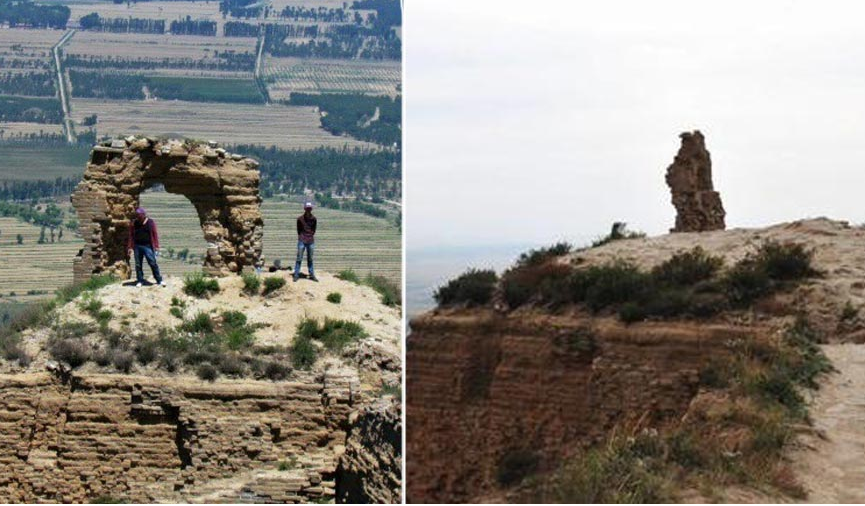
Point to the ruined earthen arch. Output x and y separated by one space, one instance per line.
222 187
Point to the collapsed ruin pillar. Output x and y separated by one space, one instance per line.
223 188
698 205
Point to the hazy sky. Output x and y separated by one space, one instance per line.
537 121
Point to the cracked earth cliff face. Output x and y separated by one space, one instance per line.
222 186
698 205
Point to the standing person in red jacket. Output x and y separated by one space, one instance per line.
306 225
144 243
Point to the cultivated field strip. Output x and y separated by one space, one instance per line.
286 75
8 129
30 163
278 5
169 11
138 45
33 266
287 127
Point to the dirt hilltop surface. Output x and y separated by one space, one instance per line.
839 254
152 433
512 378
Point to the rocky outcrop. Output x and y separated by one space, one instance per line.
223 187
370 470
483 387
698 205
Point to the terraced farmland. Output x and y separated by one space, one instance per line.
33 266
287 127
286 75
345 240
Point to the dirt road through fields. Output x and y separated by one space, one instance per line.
832 466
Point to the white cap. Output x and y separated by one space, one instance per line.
308 205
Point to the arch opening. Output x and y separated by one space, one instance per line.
223 188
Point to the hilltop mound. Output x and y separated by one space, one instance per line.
646 369
240 395
838 257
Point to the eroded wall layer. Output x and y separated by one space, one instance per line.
370 470
144 440
482 385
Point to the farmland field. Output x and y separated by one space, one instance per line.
28 49
206 89
148 10
32 163
286 75
32 266
136 45
284 126
345 240
13 129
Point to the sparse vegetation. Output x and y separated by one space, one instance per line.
199 285
73 351
287 465
473 288
207 372
394 390
334 334
303 352
389 291
251 283
334 297
689 284
276 371
272 284
349 275
618 232
70 292
122 360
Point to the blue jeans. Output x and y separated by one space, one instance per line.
147 253
309 249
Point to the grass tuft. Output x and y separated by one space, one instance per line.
272 284
199 284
